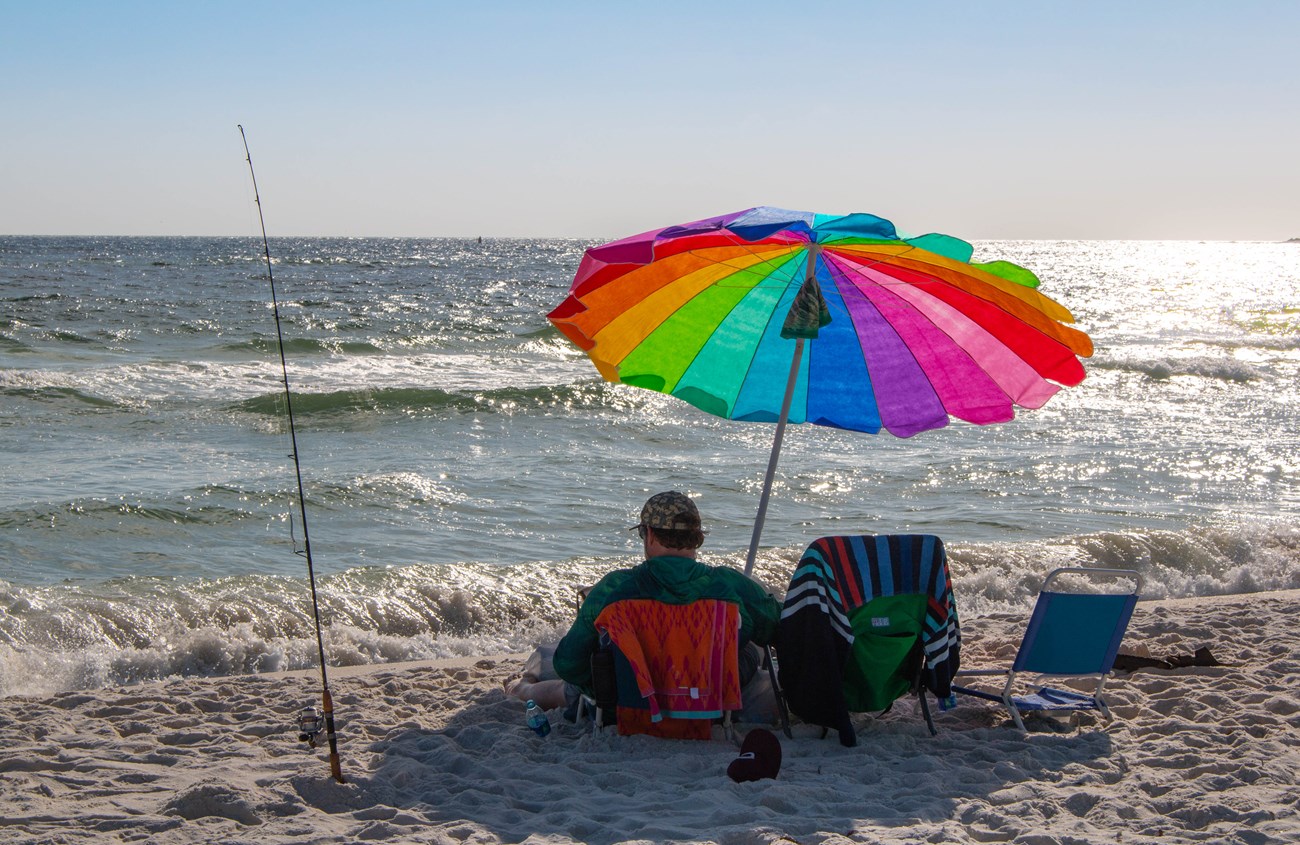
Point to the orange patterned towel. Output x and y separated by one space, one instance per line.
684 656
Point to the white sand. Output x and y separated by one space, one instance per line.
437 753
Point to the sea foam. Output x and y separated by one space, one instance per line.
77 636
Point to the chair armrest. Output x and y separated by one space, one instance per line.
961 672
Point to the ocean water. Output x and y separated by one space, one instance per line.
466 469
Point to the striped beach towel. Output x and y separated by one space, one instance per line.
836 577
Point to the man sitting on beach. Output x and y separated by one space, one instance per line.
671 532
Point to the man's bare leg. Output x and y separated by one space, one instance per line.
548 694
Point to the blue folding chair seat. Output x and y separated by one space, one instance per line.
1071 635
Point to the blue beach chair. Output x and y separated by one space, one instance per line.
1071 634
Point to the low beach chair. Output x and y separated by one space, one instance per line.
1074 632
675 666
867 620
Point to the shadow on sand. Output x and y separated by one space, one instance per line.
485 771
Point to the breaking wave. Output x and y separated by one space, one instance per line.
68 396
305 346
1224 369
115 511
1212 560
79 635
413 400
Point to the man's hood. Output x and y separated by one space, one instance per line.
675 576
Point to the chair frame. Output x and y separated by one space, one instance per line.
598 720
1070 700
599 707
837 578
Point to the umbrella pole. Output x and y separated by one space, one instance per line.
772 459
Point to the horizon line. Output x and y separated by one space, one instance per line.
602 239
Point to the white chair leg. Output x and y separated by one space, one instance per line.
597 714
1015 714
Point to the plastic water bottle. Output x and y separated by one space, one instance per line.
536 718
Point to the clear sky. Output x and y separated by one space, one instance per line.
1043 119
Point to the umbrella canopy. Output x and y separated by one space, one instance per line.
909 332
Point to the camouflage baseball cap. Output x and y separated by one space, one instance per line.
671 511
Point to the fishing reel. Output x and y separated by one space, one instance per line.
310 724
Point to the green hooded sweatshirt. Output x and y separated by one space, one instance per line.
672 580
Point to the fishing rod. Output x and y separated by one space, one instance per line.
307 722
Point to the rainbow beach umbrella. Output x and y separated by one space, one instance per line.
908 331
